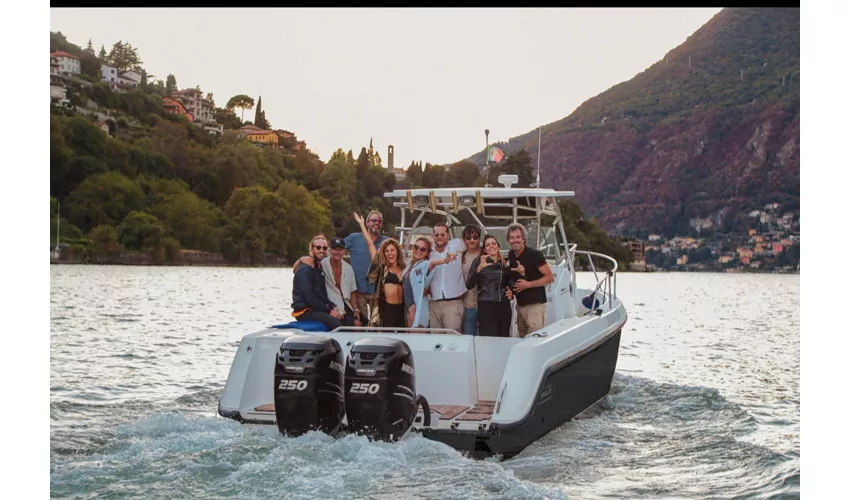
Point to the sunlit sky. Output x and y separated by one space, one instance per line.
428 81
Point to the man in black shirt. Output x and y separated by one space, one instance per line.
530 274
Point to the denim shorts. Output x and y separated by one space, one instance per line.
470 321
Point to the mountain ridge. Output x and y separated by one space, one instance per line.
710 130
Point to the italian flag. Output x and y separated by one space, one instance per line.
496 154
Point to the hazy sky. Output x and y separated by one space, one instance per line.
428 81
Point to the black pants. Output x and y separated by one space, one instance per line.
393 315
494 319
322 317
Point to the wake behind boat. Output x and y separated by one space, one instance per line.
481 395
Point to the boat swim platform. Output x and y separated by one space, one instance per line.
442 416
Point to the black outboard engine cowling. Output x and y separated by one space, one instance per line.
308 385
380 388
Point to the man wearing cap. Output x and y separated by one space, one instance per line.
356 245
341 285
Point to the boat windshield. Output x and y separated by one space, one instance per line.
543 233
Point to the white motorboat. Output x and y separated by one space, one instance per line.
482 395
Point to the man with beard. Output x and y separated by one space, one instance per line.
309 295
356 245
341 285
530 273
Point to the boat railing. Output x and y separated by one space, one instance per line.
391 329
605 285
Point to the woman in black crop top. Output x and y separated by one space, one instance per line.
385 272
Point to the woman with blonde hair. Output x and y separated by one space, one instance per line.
386 272
416 279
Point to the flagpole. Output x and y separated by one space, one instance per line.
487 157
539 141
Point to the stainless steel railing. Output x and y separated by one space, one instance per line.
608 282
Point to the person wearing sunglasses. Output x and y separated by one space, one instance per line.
471 236
417 278
489 277
361 258
310 300
447 287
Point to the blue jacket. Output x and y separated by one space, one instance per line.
308 289
420 279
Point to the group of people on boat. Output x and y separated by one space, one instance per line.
462 284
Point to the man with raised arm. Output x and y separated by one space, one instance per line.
447 285
356 245
530 273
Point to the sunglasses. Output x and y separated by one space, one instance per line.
472 237
420 249
320 247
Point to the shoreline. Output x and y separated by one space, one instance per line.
219 264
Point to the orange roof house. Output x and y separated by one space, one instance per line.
62 53
176 107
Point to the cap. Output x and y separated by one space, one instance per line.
337 243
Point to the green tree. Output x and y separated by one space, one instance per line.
339 186
103 199
433 176
227 118
89 48
194 222
124 57
140 231
260 219
171 140
260 116
414 174
105 239
242 102
102 55
308 215
363 163
83 137
170 84
463 173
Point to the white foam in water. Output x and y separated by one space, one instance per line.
168 454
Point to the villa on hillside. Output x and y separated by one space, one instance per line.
58 92
176 107
68 63
283 139
259 136
194 104
119 83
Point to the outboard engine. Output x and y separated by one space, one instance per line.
308 385
380 389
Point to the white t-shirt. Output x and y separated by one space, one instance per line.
448 280
347 282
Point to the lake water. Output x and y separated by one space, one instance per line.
705 402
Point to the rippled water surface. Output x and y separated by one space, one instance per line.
705 402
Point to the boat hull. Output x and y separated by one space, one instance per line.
569 388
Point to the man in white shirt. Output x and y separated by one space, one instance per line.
447 286
340 283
